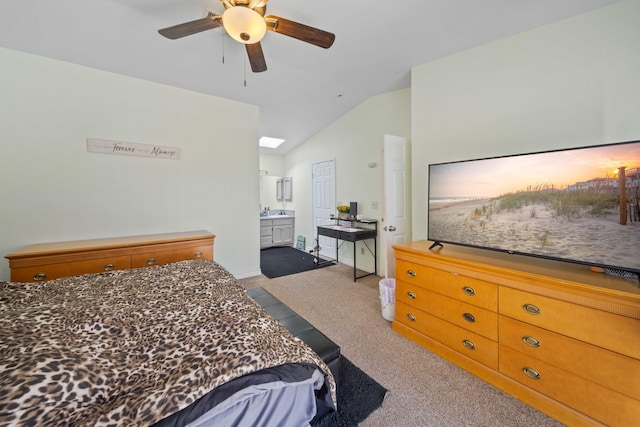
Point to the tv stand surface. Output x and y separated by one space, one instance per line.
558 336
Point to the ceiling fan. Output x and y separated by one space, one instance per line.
245 21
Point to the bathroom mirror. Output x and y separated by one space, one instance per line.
268 192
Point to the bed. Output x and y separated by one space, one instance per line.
174 344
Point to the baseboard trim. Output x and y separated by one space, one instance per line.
249 274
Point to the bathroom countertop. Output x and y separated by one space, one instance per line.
276 217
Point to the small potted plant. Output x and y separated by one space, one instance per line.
343 212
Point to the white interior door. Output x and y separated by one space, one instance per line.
324 203
396 197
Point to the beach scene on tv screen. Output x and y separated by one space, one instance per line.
564 204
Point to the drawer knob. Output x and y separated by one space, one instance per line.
151 261
531 373
531 309
411 295
531 341
40 277
411 273
469 317
109 267
469 344
198 254
411 317
469 291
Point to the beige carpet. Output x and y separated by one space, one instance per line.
425 390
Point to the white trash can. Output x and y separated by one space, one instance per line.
388 298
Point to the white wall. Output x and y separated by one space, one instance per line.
354 141
274 165
52 189
572 83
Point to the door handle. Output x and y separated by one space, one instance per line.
392 228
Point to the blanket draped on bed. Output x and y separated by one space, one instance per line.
131 347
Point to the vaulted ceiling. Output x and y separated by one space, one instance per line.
305 87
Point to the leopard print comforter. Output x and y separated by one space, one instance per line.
131 347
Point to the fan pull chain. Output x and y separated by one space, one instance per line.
223 38
245 71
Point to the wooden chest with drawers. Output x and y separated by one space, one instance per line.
557 336
48 261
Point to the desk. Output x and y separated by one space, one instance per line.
354 234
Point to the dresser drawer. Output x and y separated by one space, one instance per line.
478 320
74 268
600 403
596 364
172 255
472 345
477 292
600 328
329 232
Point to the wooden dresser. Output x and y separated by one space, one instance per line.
48 261
557 336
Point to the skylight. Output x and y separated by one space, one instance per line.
269 142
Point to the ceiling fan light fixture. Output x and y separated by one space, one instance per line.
244 25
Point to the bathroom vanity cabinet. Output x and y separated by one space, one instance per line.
276 231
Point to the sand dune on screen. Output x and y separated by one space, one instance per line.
534 229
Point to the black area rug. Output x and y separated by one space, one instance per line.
282 261
358 396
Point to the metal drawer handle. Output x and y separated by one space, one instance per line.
198 254
411 273
531 341
151 261
40 277
469 317
109 267
531 309
469 291
531 373
411 295
411 317
469 344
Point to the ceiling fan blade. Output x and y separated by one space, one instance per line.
210 22
256 57
257 3
299 31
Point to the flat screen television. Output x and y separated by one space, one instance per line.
578 205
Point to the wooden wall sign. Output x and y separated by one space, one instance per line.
105 146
